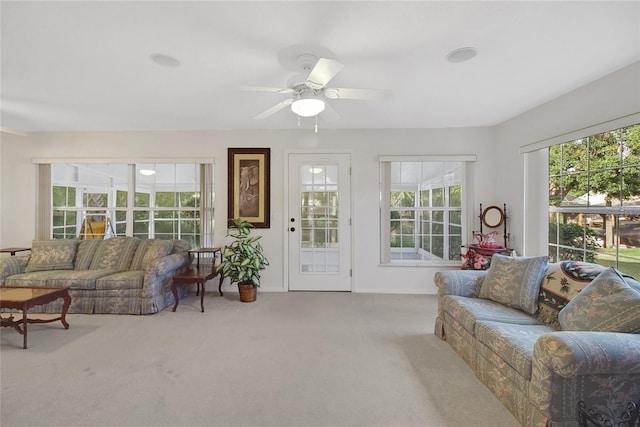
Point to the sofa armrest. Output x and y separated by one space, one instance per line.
599 369
12 265
464 283
168 264
161 271
573 353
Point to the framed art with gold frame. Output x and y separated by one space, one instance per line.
249 185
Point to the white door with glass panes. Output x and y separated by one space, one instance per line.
318 222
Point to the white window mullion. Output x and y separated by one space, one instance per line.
385 212
45 202
131 198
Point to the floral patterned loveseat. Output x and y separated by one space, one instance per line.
555 343
121 275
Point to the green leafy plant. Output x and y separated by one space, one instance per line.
576 236
243 259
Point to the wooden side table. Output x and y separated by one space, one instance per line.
198 274
13 251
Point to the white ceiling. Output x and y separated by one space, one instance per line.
86 65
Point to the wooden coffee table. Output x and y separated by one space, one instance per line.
25 297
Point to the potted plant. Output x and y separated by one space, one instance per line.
242 260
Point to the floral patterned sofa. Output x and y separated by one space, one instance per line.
121 275
558 344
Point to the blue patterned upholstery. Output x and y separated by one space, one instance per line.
515 281
607 304
538 373
49 255
102 279
467 311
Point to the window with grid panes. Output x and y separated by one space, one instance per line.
421 211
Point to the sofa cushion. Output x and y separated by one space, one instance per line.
515 281
149 250
115 253
511 343
36 278
562 282
85 253
51 255
121 280
608 304
85 279
467 311
78 279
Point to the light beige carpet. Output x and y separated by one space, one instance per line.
289 359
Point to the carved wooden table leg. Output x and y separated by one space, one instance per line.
174 291
65 309
202 298
24 327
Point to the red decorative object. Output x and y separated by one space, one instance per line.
478 254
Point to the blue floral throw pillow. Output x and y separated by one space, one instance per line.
515 281
610 303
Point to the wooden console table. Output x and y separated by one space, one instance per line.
25 297
198 274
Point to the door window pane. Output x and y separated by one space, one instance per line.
319 218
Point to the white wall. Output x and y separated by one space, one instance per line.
497 175
18 178
17 191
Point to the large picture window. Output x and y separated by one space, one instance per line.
594 199
162 201
422 211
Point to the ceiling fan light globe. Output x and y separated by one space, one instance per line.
307 107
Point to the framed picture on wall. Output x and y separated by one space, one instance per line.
249 185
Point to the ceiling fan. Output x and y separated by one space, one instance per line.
309 90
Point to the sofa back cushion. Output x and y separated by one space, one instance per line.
51 255
114 254
610 303
562 282
515 281
84 254
149 250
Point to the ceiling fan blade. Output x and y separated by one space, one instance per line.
323 72
352 93
265 89
12 131
329 114
279 106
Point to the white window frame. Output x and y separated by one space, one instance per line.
612 211
535 163
44 227
385 207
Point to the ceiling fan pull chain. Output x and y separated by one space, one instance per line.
316 123
298 121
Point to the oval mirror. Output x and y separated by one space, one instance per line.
493 216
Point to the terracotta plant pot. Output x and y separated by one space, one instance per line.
248 292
